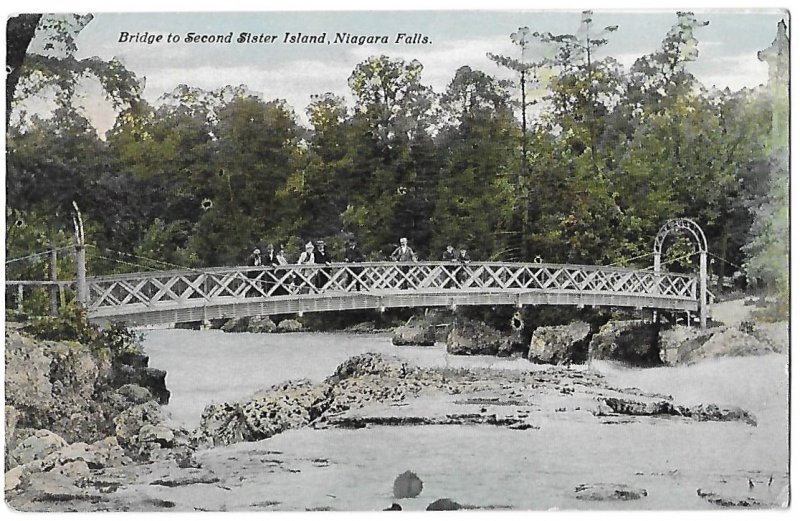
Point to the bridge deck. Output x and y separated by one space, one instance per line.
186 296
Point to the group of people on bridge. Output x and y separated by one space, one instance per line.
315 253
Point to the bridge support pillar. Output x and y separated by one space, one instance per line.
703 289
53 278
82 289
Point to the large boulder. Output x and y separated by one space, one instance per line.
134 394
414 335
368 364
222 424
257 324
130 423
407 485
261 324
236 325
633 342
150 378
289 405
444 504
38 446
560 344
285 406
290 325
472 337
687 345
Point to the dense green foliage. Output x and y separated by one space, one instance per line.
610 155
71 325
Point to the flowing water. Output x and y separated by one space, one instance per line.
476 465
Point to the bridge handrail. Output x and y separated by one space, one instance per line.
252 283
244 268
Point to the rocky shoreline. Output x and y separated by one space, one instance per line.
85 429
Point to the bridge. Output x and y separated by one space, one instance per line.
189 295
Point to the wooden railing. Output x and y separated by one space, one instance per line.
389 284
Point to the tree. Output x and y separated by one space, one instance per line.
527 74
387 142
474 196
257 151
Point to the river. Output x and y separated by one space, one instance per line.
486 466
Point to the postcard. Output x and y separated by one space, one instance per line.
397 260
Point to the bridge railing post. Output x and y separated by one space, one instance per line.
703 290
53 278
82 289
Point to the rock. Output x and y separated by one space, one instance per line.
222 424
15 477
560 344
282 407
444 504
414 336
159 434
55 486
361 328
285 406
37 447
261 325
12 418
79 451
135 394
407 485
129 423
75 470
727 501
193 478
369 364
702 412
150 378
634 342
133 359
686 345
712 412
393 507
608 492
107 453
471 337
236 325
27 375
290 325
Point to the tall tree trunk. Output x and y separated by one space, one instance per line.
19 33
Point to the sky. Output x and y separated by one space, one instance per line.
295 72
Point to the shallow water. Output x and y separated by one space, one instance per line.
213 367
476 465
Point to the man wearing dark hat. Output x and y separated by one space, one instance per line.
322 257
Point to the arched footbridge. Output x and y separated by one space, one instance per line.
190 295
214 293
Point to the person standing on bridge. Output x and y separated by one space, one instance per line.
308 274
254 259
353 254
463 259
448 256
404 253
322 257
270 260
280 257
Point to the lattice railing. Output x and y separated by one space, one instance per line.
245 284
